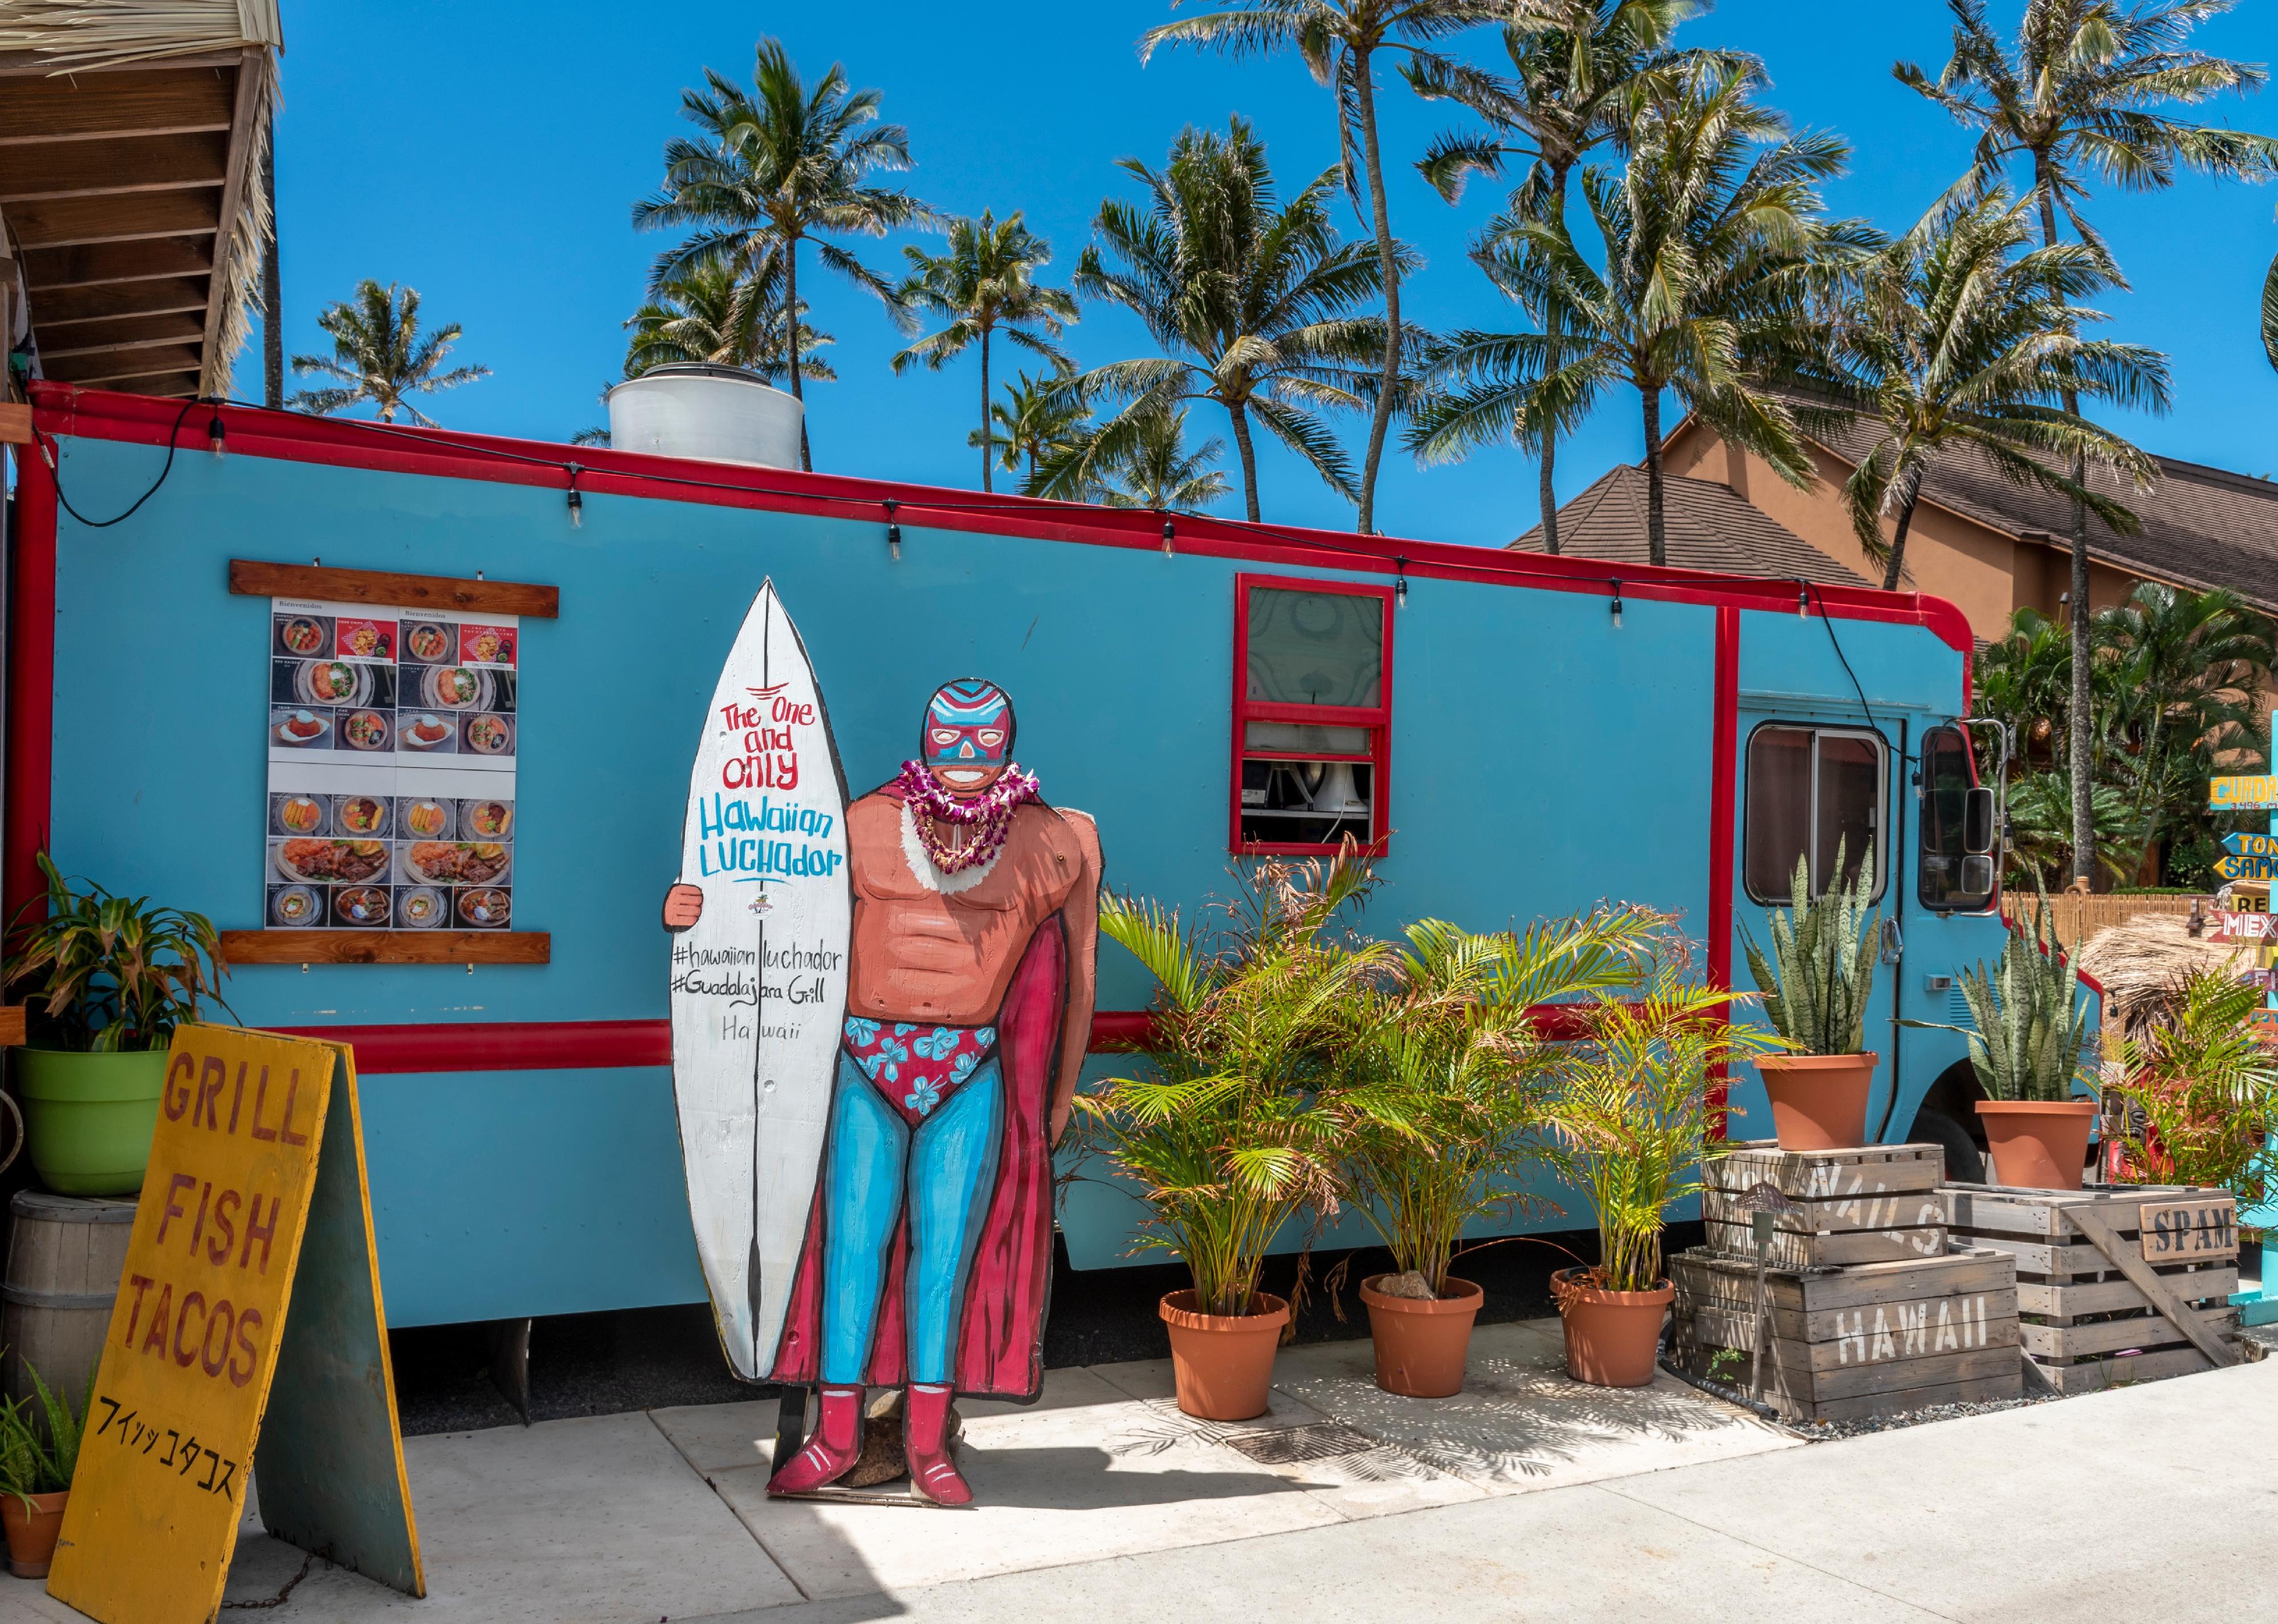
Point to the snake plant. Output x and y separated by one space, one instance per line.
1821 969
2028 1037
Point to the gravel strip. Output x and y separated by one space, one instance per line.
1823 1431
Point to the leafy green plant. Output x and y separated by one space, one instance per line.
1445 1085
39 1439
1227 1137
1820 971
2028 1037
111 972
2201 1091
1640 1114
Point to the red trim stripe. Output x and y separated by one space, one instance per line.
62 410
568 1046
31 683
1724 806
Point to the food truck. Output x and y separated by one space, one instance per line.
410 713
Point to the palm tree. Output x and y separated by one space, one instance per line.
1037 418
1715 245
1577 69
1248 298
986 283
2185 690
1339 40
1954 338
2023 680
379 356
2270 314
776 169
711 313
2077 97
1155 469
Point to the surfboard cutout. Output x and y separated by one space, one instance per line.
758 983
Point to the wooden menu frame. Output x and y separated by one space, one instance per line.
387 947
444 594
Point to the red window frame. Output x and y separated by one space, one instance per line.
1376 718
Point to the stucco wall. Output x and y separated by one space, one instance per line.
1985 573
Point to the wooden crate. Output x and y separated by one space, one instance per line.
1874 1204
2095 1310
1867 1340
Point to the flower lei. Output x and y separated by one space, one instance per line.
989 814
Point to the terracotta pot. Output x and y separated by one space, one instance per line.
1611 1337
1224 1362
1421 1342
1819 1102
2037 1144
32 1532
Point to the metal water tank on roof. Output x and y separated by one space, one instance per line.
719 414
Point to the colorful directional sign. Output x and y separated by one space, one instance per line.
2252 792
2245 868
2252 845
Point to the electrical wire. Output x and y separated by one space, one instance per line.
1828 620
571 471
1380 556
49 452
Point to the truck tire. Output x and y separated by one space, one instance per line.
1965 1163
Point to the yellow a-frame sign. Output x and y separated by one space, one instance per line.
250 1311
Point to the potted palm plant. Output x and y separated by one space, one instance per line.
2030 1044
1447 1089
108 979
1815 983
39 1452
1639 1115
1226 1135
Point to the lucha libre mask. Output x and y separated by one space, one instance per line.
968 741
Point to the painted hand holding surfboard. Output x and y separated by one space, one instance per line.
879 1013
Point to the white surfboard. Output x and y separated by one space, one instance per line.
758 983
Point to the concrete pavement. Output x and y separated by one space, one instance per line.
1529 1497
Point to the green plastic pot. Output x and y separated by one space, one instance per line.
89 1117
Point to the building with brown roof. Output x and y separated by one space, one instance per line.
1991 547
1707 526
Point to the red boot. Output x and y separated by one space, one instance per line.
831 1453
925 1445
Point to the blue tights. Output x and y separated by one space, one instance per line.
946 1168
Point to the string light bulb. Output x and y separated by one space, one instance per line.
1618 606
1400 584
577 500
893 532
216 436
1168 551
1802 601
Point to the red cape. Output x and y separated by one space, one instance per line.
1000 1339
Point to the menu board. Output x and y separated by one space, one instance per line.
392 737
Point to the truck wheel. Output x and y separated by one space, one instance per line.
1965 1163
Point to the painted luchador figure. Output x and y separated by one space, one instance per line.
968 1011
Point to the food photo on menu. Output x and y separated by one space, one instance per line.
375 717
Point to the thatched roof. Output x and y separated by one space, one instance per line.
137 137
2145 954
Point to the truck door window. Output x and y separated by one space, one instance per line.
1812 789
1947 776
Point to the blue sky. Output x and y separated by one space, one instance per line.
488 155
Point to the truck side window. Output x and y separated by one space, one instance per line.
1812 789
1312 708
1947 777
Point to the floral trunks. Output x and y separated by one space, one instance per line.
913 1065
